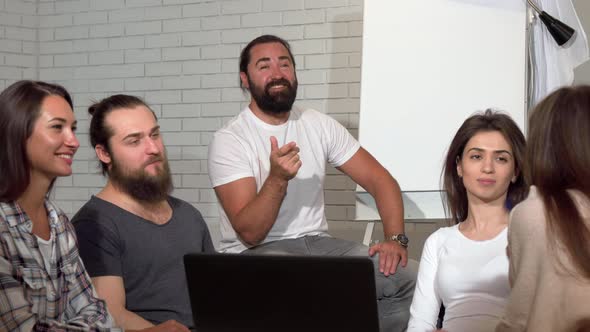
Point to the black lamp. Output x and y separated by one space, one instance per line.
560 31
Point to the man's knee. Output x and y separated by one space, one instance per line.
399 285
409 272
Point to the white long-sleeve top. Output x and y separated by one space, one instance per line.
469 277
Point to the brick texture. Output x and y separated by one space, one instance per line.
182 57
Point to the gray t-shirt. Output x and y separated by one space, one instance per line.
149 257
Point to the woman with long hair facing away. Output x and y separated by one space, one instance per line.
549 237
465 266
43 283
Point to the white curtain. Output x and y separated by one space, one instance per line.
553 65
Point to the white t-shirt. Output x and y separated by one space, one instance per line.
47 249
242 149
469 277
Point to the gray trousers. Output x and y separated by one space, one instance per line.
394 293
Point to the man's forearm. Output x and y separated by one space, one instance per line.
256 219
130 320
365 170
390 206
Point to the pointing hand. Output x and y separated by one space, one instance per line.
284 161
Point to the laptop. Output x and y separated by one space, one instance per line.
231 292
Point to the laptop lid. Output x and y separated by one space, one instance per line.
231 292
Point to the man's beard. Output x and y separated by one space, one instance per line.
278 102
141 185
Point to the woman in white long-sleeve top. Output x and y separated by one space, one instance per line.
465 266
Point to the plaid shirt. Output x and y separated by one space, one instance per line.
32 298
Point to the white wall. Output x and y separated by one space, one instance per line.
582 73
182 57
18 40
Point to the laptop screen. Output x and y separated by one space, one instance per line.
232 292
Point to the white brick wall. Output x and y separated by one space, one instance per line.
182 56
18 41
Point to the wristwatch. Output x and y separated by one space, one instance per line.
401 238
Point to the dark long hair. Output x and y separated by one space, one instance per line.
20 106
455 201
100 132
558 156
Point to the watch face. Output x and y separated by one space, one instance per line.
403 239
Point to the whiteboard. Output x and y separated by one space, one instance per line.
426 66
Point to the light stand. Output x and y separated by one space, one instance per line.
560 31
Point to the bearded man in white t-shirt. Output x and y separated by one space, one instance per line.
268 165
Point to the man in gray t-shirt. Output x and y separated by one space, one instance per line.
132 235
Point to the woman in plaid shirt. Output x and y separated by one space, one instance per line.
43 283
